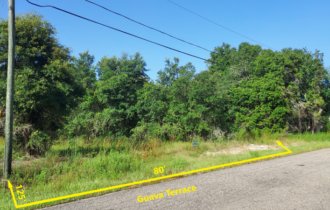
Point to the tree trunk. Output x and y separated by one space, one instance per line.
312 125
299 119
27 148
308 122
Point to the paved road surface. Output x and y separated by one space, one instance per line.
294 182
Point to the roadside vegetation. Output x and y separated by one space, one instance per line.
81 125
82 166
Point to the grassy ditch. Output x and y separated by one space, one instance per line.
70 168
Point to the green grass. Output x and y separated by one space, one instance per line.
79 166
2 147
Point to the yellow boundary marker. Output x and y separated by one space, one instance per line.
10 186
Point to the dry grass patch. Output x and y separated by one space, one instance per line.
242 149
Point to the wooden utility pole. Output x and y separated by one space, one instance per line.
10 90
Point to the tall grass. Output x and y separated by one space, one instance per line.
79 165
108 158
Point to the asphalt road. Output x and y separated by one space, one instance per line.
294 182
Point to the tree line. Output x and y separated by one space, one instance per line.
247 90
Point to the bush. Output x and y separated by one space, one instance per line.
166 131
326 127
40 142
242 134
217 134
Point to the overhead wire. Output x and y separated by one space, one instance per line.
118 30
147 26
219 24
206 60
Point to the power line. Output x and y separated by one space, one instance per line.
206 60
118 30
148 26
219 24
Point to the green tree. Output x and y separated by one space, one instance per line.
81 119
108 108
85 71
304 82
120 79
45 88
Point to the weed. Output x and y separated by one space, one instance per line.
87 165
2 147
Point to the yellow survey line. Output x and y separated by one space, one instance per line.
12 193
143 181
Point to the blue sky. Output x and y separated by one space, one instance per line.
278 24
